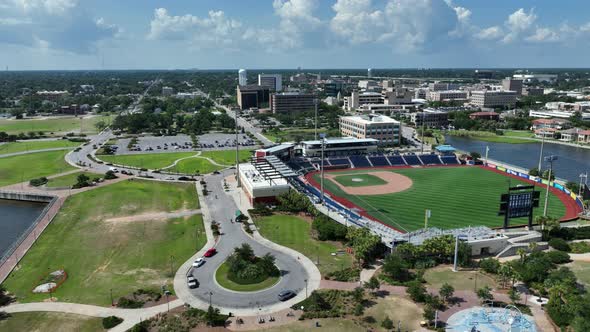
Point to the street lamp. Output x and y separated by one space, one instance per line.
541 153
210 295
549 159
305 288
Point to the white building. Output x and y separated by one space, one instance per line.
527 78
397 96
358 99
380 127
242 77
258 188
493 99
442 95
167 91
271 81
339 147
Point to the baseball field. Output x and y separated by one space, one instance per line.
456 196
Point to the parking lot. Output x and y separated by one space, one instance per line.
181 142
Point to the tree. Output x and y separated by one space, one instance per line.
363 242
534 171
372 284
387 323
416 291
475 155
100 125
513 295
490 265
395 268
446 292
358 294
4 298
485 294
429 313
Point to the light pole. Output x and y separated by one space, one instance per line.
423 122
210 298
237 152
315 101
322 169
550 159
457 238
487 152
305 288
541 154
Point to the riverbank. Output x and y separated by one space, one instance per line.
513 137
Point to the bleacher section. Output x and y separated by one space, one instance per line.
412 160
449 160
430 159
341 161
360 161
379 161
396 160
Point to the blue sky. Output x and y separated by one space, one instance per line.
214 34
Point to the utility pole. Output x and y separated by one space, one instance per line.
550 159
322 170
583 182
487 152
423 122
315 101
541 154
239 184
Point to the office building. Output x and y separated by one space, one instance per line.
358 99
397 96
430 118
483 74
493 99
273 82
532 91
512 84
441 86
250 96
443 95
291 102
167 91
242 77
380 127
333 147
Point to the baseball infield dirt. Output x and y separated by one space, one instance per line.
395 183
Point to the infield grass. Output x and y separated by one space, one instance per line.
51 321
457 197
15 147
30 166
100 254
295 233
363 180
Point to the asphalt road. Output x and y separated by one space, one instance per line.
222 209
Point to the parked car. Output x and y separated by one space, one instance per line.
210 252
192 282
199 262
286 295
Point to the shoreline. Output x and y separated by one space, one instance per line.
530 139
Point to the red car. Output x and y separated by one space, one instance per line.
210 252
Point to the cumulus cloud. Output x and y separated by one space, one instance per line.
543 35
490 33
519 23
55 24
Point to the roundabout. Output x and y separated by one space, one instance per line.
225 280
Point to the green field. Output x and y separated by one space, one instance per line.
51 322
56 126
460 280
146 160
70 179
36 145
582 271
519 133
294 232
101 251
29 166
457 197
227 157
192 165
225 282
362 180
491 137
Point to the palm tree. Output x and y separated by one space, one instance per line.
522 253
533 246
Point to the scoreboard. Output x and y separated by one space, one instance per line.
519 202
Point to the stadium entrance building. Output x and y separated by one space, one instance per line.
339 147
260 188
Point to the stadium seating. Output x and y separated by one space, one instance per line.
340 161
360 161
379 161
396 161
430 159
449 160
412 160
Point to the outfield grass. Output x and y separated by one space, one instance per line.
56 126
582 271
367 180
51 321
294 232
457 197
461 280
100 254
227 157
36 145
489 137
225 282
192 165
29 166
146 160
70 179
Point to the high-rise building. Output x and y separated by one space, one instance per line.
512 84
291 102
242 77
249 96
272 81
493 99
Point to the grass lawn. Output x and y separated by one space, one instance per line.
457 197
519 133
146 160
51 321
227 157
29 166
36 145
461 280
192 165
224 281
582 271
365 180
326 324
397 309
100 253
489 136
70 179
294 232
56 125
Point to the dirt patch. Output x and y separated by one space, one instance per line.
395 183
152 216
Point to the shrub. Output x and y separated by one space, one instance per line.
38 182
416 291
348 274
111 321
580 247
490 265
129 303
559 244
109 175
558 257
387 323
359 309
328 229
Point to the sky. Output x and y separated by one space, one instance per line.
261 34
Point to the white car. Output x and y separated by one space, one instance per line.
199 262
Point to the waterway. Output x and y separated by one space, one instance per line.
572 161
15 218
